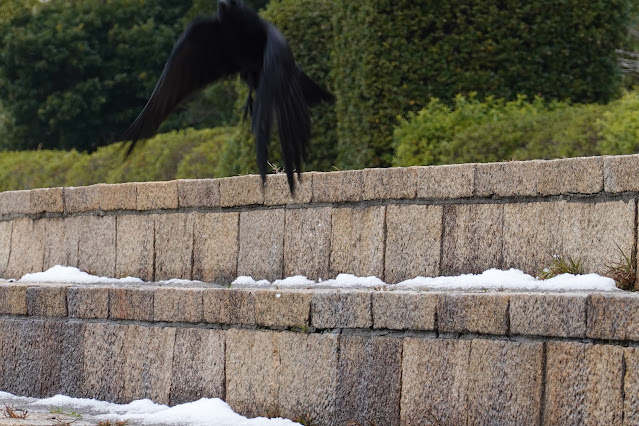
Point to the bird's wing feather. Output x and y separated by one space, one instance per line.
197 59
280 93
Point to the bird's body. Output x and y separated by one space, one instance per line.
238 40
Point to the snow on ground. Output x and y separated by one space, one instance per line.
492 279
206 411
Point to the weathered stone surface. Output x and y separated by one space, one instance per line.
88 302
103 355
485 313
27 247
357 241
583 384
337 187
22 356
341 309
173 245
15 202
307 242
287 308
5 246
96 255
413 239
253 372
532 235
178 304
435 381
620 173
122 196
55 249
157 195
369 380
261 254
74 227
277 192
13 299
631 387
198 192
81 199
614 317
48 300
229 306
389 183
399 310
505 382
598 233
131 303
70 358
46 200
507 179
472 238
198 365
443 182
550 314
241 191
570 176
215 247
308 375
135 242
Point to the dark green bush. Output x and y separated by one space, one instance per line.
391 57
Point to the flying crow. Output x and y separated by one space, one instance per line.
239 41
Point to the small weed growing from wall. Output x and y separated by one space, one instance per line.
14 413
624 271
562 265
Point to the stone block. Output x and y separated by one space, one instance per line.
5 246
584 384
15 203
121 196
74 228
88 302
357 241
445 182
157 195
598 233
399 310
277 192
104 356
507 179
631 386
22 356
389 183
435 381
253 372
472 238
60 362
613 316
47 200
307 242
338 187
27 247
620 173
241 191
550 314
198 193
531 235
229 306
13 299
485 313
283 308
178 304
261 253
71 358
96 255
341 309
570 176
198 365
55 249
81 199
135 242
369 380
131 303
413 240
215 247
308 376
173 246
505 382
49 300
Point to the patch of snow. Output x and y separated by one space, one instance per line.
68 274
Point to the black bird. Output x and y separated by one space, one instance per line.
238 40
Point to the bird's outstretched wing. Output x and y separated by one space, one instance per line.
198 58
280 92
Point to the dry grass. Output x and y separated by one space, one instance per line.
624 271
14 413
562 265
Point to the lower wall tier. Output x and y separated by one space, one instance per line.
364 357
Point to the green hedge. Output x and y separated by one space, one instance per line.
391 57
497 130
